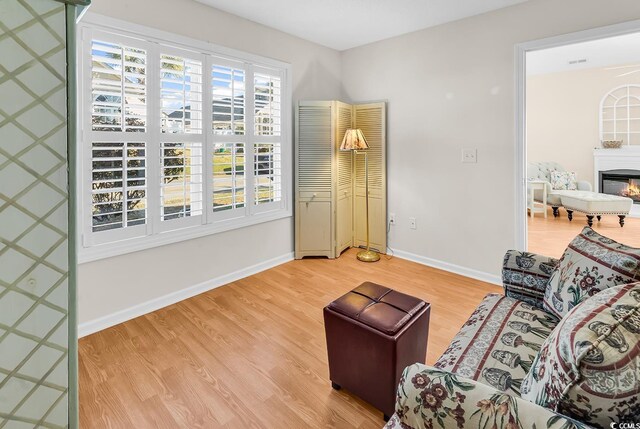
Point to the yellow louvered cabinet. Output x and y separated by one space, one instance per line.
329 188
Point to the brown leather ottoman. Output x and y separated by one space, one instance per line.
373 333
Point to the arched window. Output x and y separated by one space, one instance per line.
620 115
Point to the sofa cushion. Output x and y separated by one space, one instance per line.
498 343
564 180
525 276
590 264
589 367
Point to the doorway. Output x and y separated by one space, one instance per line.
576 93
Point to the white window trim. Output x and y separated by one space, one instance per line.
211 224
629 92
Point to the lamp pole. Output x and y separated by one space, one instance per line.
367 255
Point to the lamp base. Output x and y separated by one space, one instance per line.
368 256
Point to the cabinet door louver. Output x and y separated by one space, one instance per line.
314 149
371 119
344 157
344 197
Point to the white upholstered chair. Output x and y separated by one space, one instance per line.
542 171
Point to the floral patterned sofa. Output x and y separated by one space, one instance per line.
477 381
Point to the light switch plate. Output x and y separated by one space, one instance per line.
470 156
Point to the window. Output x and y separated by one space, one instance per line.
620 115
179 138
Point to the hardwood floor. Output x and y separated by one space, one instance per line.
252 354
551 236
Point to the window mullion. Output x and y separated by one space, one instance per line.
153 144
249 157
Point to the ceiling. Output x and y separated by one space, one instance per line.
345 24
609 52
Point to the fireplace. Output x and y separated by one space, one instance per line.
625 183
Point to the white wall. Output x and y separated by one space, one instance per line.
451 87
116 284
563 115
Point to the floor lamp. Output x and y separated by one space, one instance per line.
354 140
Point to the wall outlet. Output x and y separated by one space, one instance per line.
412 223
392 218
470 156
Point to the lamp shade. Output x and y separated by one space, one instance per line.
354 140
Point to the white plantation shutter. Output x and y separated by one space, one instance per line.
115 198
182 139
228 176
267 173
177 138
228 95
119 87
181 187
181 94
267 139
230 137
267 93
118 185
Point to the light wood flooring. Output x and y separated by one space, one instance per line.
551 236
252 354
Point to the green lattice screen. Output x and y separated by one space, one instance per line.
33 215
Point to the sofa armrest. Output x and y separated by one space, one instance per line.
431 398
525 276
583 185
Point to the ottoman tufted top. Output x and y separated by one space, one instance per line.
379 307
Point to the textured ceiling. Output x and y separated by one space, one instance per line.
344 24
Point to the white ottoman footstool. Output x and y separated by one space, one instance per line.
594 204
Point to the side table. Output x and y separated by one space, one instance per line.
532 205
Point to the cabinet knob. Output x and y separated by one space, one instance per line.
315 195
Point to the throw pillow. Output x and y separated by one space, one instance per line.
589 367
590 264
564 181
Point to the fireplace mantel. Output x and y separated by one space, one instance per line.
627 157
624 158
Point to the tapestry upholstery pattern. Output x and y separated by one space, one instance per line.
498 343
590 263
589 367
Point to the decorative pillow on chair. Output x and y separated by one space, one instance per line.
564 181
590 264
589 367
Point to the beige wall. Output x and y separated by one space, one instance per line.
118 283
448 87
563 116
451 87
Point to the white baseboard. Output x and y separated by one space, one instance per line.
113 319
452 268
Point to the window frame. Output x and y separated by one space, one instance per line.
98 245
